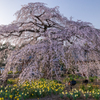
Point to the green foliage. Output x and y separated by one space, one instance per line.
74 76
11 81
86 95
95 77
57 81
89 87
92 86
91 79
10 72
71 78
17 72
65 79
61 95
83 87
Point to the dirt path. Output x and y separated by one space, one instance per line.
57 97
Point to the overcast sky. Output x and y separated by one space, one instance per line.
85 10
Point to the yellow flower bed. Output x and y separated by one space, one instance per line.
95 93
37 89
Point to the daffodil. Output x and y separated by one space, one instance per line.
11 96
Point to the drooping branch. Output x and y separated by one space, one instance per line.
48 55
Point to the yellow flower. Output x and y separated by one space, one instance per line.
2 98
19 95
17 89
11 96
1 86
92 91
15 85
66 92
76 95
17 98
89 94
62 92
71 93
22 93
1 91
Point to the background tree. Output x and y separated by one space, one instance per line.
5 50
